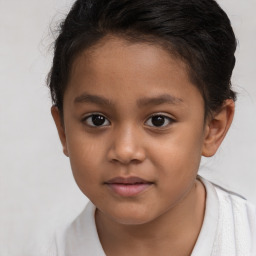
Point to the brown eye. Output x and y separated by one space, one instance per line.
159 121
96 120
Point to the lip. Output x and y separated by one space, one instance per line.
128 186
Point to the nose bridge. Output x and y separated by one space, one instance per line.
127 144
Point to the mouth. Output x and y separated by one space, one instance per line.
129 186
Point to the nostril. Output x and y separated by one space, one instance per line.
132 161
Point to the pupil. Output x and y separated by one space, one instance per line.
98 120
157 120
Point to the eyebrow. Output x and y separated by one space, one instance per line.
158 100
161 99
89 98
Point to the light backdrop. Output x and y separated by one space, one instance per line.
37 190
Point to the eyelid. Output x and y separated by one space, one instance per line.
87 116
166 116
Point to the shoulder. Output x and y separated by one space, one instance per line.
235 204
236 226
230 201
79 237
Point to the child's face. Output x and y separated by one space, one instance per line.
132 115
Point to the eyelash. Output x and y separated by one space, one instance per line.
167 120
88 120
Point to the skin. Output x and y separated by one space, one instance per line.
120 78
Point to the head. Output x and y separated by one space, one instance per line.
197 32
141 89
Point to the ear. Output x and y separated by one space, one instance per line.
217 127
60 127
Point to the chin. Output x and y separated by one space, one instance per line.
131 217
132 221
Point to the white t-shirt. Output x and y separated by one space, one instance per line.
229 229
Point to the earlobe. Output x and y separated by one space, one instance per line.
217 127
60 127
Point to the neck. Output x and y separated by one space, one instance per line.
173 233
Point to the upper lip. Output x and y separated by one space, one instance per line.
127 180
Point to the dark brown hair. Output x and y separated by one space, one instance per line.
197 31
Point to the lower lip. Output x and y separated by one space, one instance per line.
129 190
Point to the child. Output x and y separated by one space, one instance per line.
141 90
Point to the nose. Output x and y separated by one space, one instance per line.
126 146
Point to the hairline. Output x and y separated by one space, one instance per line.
133 37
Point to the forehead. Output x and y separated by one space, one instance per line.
115 64
112 52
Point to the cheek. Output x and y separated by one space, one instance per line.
85 159
178 161
179 153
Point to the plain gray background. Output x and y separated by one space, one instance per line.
37 190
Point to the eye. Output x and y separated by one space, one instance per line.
96 120
159 121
